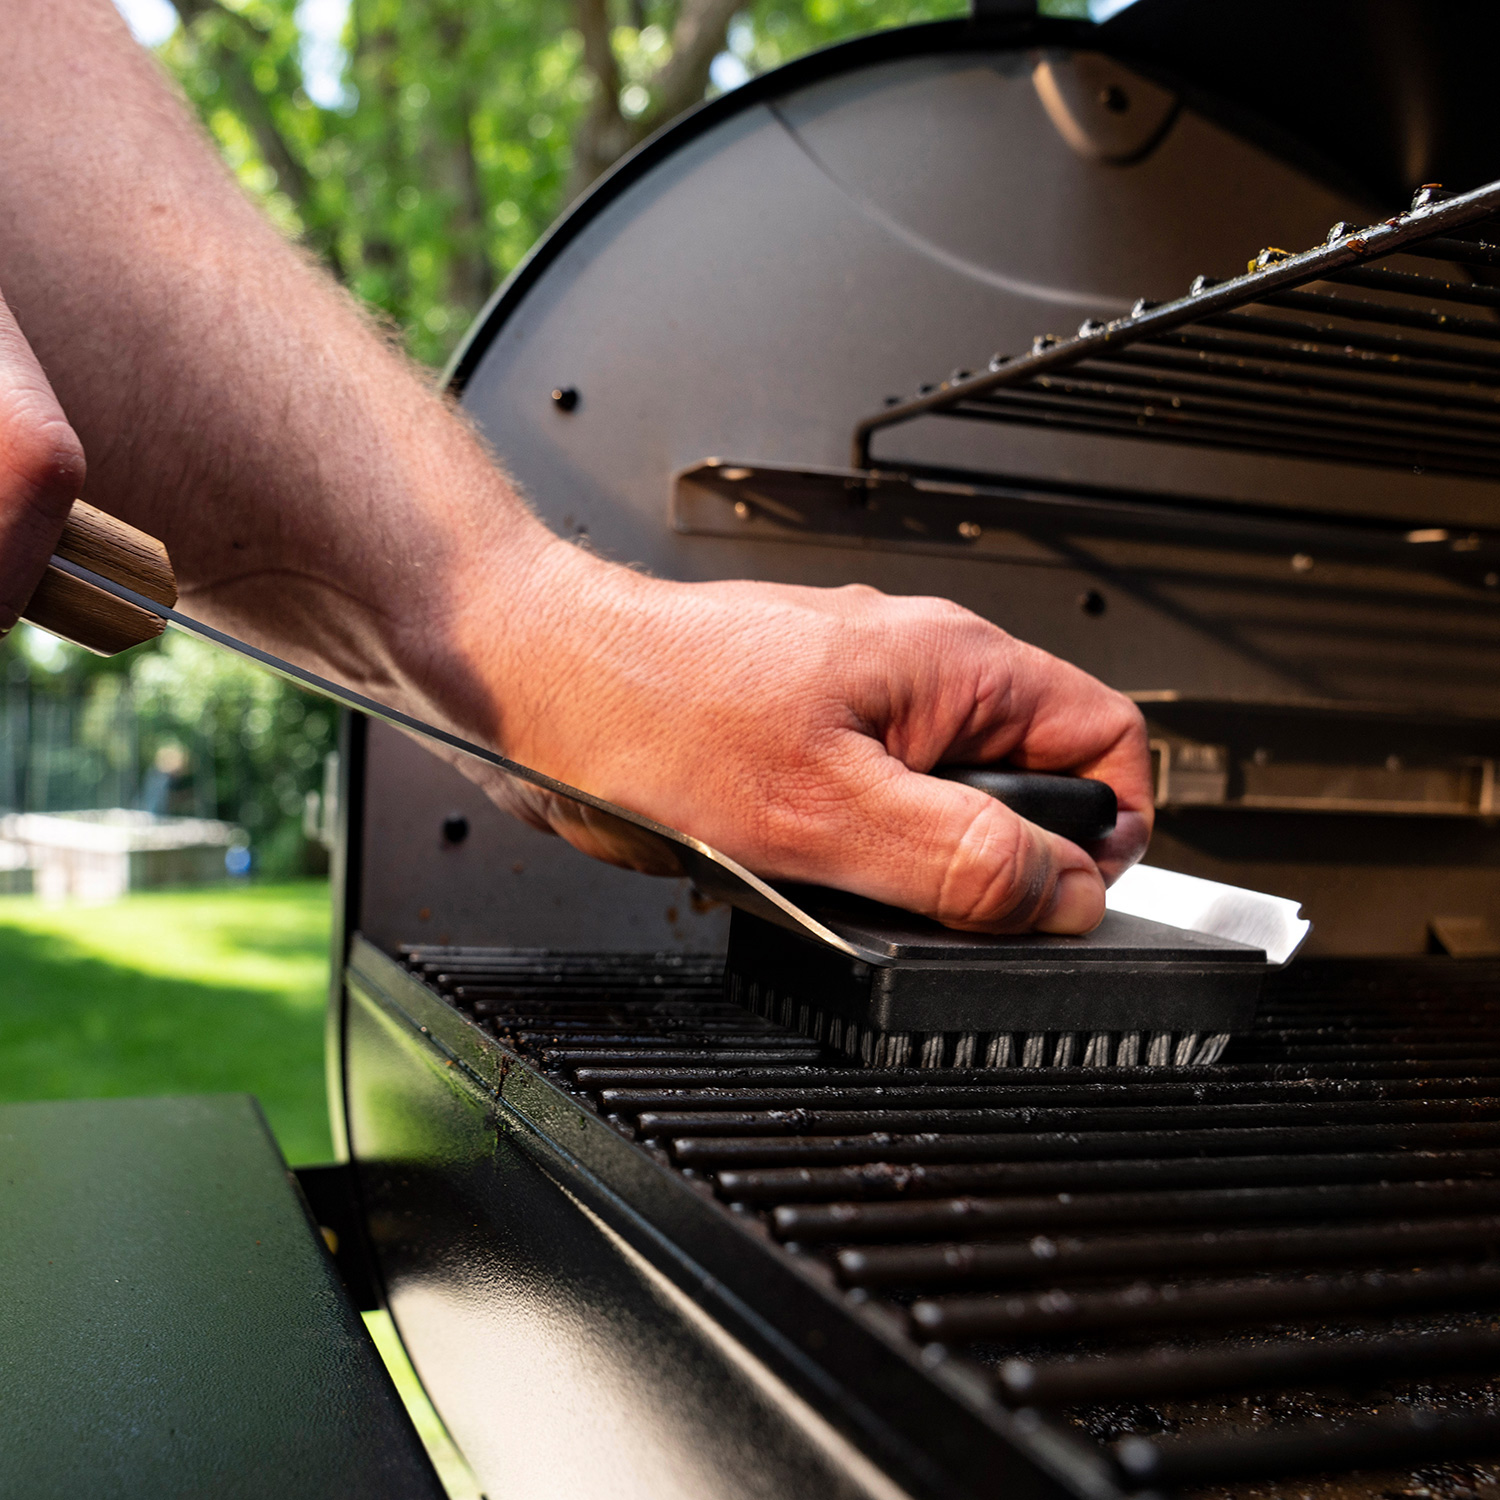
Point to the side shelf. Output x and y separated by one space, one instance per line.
174 1324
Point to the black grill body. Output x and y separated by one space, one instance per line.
641 1239
587 1318
639 1236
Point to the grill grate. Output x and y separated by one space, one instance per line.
1285 1264
1330 354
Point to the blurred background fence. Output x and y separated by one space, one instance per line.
68 750
175 732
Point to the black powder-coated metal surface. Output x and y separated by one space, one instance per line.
1285 1267
588 1319
1434 59
173 1327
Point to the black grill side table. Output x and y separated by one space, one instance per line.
173 1324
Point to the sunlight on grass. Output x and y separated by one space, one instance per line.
454 1471
212 990
268 937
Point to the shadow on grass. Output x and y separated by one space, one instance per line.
73 1025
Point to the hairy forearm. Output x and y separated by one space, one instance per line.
318 498
313 493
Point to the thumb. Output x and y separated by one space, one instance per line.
956 855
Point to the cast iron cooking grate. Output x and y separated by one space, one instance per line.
1284 1265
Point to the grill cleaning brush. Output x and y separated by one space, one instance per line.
1174 969
886 987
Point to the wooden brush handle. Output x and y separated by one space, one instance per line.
87 615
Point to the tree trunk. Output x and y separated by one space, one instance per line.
605 134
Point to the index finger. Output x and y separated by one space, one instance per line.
1056 717
41 469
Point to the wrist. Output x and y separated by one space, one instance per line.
518 615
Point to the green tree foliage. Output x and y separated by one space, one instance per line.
441 164
466 125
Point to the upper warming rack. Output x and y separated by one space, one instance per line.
1329 354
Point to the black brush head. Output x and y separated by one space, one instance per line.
940 996
1127 975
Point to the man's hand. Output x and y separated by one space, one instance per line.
790 727
318 499
41 470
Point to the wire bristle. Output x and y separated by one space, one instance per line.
967 1049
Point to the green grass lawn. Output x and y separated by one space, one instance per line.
212 990
217 990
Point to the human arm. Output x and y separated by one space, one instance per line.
319 500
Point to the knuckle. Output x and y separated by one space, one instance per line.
861 595
996 877
958 614
43 455
1132 720
953 619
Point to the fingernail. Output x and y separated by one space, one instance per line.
1077 904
